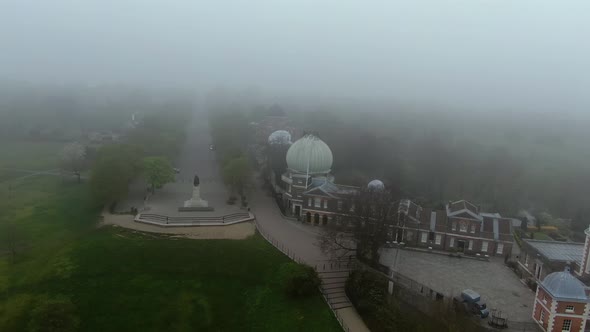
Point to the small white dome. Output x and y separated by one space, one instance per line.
279 137
376 185
565 286
310 154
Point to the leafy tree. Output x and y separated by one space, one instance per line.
113 170
54 315
157 171
72 158
236 174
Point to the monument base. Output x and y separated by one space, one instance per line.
196 203
195 209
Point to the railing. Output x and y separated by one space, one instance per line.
289 253
166 220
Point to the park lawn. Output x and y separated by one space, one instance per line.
32 155
121 280
542 236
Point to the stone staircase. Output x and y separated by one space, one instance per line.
333 276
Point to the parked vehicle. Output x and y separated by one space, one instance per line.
471 302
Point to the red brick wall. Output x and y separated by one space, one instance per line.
541 295
578 307
537 315
558 323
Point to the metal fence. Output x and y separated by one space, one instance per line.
289 253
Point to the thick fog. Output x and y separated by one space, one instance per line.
501 54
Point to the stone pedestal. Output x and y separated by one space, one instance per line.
196 201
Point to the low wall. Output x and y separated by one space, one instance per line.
166 221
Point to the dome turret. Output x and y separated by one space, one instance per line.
310 155
279 137
564 285
376 185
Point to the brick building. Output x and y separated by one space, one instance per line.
461 227
561 303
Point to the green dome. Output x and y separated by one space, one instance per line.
309 154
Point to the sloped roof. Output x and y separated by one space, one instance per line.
464 209
558 251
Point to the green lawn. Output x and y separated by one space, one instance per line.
542 236
119 280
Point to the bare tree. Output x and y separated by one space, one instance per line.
364 230
72 158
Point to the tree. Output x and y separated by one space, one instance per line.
298 280
236 174
54 315
72 158
157 171
364 230
115 167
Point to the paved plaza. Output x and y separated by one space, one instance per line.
498 286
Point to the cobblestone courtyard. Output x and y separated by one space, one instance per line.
498 286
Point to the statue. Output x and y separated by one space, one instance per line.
196 201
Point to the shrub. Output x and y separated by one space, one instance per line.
298 280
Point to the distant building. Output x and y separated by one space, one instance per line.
561 303
459 227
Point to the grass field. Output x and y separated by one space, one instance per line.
119 280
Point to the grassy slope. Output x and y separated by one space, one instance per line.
123 281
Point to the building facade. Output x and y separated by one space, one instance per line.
308 190
561 303
460 227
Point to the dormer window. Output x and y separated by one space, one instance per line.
569 309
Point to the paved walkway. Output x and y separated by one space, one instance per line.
499 287
301 240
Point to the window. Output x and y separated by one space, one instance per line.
289 188
526 259
325 203
567 325
317 202
438 239
452 242
484 246
352 207
470 245
500 248
463 226
544 299
409 236
339 205
454 226
424 237
569 308
472 228
309 201
542 317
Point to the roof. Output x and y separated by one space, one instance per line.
463 209
558 251
310 155
330 188
563 285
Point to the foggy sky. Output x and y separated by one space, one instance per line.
503 54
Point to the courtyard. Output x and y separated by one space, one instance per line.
498 286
